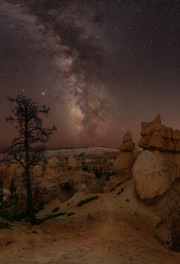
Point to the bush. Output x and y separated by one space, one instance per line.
87 201
13 215
69 214
112 189
122 190
48 217
11 212
55 210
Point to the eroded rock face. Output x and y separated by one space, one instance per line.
49 182
164 142
64 185
72 162
153 176
159 137
176 234
126 159
9 171
53 162
80 181
127 144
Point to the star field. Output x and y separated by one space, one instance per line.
103 67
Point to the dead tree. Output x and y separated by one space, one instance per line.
28 148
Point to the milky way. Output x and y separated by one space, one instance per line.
102 66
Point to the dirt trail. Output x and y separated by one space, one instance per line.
113 229
82 241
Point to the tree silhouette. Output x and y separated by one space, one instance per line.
28 148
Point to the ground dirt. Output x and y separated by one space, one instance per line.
116 228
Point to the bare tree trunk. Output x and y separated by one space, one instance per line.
27 176
29 197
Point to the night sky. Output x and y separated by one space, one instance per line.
102 66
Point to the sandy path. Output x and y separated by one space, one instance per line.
105 231
86 242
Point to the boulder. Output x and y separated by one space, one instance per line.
153 176
124 161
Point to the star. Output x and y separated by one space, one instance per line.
99 66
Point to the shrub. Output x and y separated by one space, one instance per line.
48 217
112 189
14 215
117 185
55 210
69 214
10 211
81 203
122 189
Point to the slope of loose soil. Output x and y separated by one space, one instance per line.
113 229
